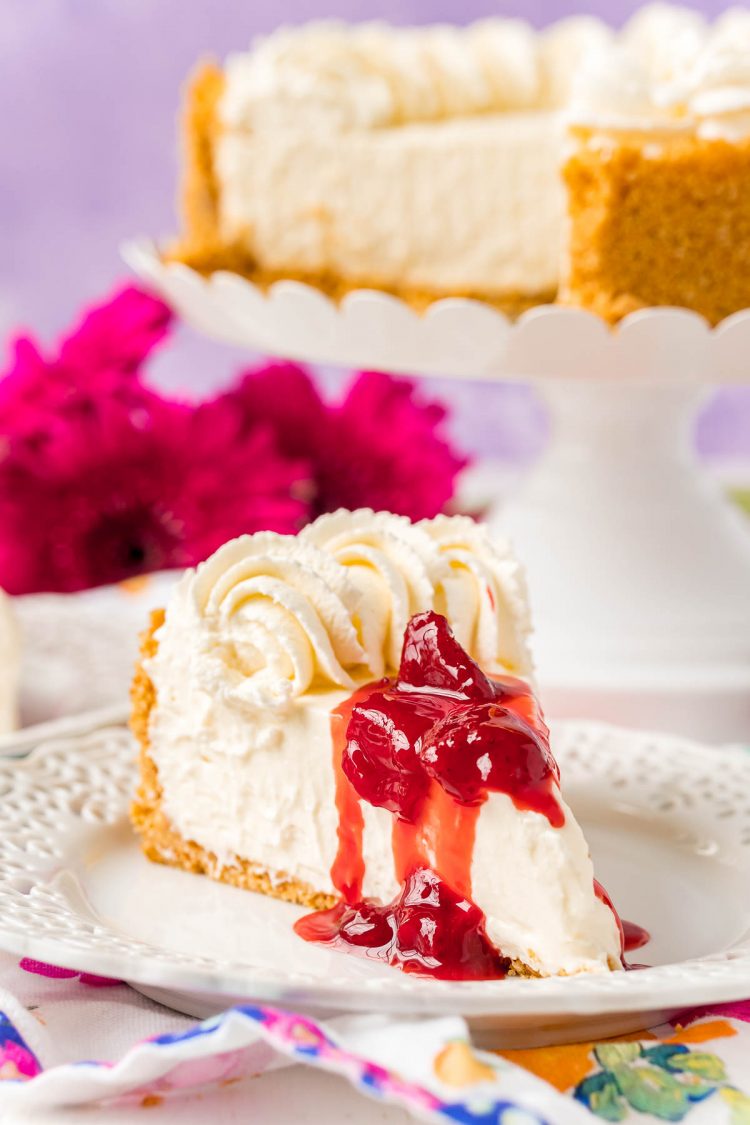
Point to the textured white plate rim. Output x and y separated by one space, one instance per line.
16 743
103 759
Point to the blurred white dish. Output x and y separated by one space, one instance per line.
78 650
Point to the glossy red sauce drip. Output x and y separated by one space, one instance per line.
428 928
429 746
443 720
635 936
632 936
348 871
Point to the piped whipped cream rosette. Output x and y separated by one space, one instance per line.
278 615
343 719
393 564
671 72
268 616
374 76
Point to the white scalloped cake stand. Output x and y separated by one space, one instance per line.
639 570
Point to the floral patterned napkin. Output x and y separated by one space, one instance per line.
72 1039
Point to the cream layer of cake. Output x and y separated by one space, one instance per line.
276 804
258 647
482 213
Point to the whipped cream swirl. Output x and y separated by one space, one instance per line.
330 76
393 563
269 617
670 72
667 69
483 594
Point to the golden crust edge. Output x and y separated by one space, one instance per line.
597 181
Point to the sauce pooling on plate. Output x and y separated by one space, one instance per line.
429 746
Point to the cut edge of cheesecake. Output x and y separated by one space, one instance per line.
160 841
203 249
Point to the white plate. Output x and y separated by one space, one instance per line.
668 822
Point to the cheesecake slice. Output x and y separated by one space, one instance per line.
343 719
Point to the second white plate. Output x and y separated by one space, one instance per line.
668 822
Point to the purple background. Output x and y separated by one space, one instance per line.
90 90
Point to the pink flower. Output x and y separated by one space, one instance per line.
118 334
382 449
101 478
377 448
112 339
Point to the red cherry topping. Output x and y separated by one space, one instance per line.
441 933
427 929
485 746
429 746
444 719
381 757
433 658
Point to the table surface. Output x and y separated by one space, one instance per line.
292 1096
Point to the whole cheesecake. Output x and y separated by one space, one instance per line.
344 720
598 168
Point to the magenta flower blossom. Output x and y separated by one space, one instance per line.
377 448
381 444
102 478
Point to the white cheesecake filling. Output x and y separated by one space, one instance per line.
472 204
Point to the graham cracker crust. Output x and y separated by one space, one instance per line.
205 250
665 228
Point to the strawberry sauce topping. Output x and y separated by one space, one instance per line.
429 746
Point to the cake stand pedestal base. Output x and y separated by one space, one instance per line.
639 568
